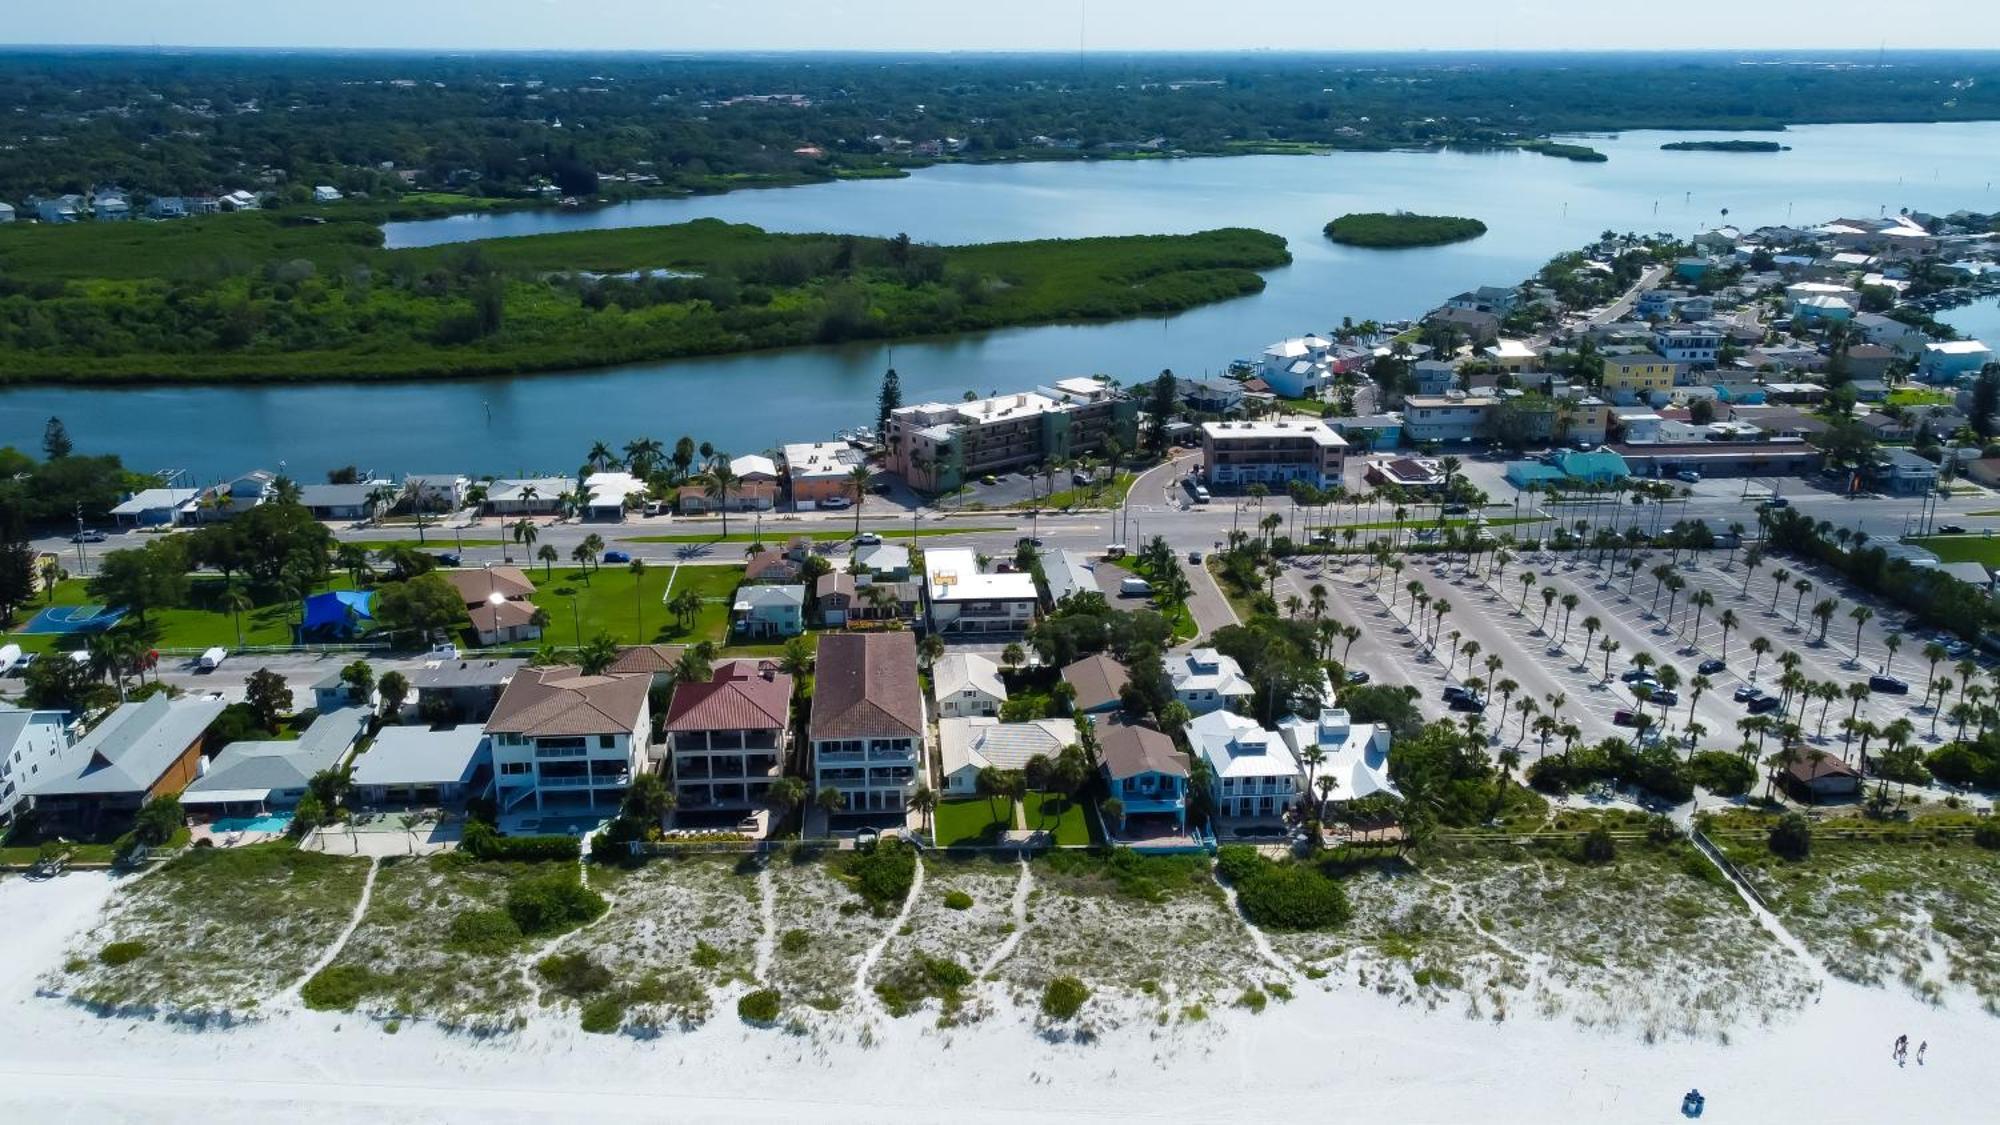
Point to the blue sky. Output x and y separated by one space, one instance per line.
1011 25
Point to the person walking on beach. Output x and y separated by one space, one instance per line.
1921 1048
1902 1045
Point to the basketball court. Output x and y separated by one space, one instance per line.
61 619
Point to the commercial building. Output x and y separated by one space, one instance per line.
1450 417
867 724
937 446
1272 452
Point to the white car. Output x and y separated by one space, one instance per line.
834 502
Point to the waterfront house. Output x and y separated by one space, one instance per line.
424 767
608 495
1952 360
1253 772
968 745
1146 775
1297 368
1206 680
966 684
1209 396
768 612
1356 754
817 471
727 739
252 778
1097 681
434 492
961 599
867 723
157 507
340 501
152 748
30 742
567 742
883 561
527 496
1690 345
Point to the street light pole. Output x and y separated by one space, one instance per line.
80 567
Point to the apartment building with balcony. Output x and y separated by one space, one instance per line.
1455 416
564 742
938 446
867 723
727 738
1272 452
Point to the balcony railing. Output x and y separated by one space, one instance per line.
568 781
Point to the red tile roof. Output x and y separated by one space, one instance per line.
743 695
865 686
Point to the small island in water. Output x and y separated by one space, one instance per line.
1402 228
1725 146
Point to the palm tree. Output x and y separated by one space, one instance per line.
1527 584
1548 603
923 799
1728 621
1778 578
237 602
419 502
593 547
1823 611
1699 600
643 455
1760 646
1569 604
1696 687
525 533
638 569
1861 615
1804 586
716 483
1935 653
601 457
857 484
830 801
1752 559
1608 646
548 554
597 655
1660 575
580 554
1527 707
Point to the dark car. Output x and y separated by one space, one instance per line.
1027 541
1356 676
1456 509
1748 692
1663 699
92 536
1634 675
1624 719
1888 685
1711 666
1762 704
447 559
1455 693
1469 702
1777 502
1951 529
617 557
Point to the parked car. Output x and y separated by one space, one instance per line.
1027 541
91 536
1951 529
1079 477
1454 692
989 479
1469 702
867 539
212 659
1624 719
1777 502
835 502
1134 588
617 557
1711 666
446 559
1688 476
1356 677
1634 675
1194 558
1663 699
1748 692
1888 685
21 666
1456 509
1761 704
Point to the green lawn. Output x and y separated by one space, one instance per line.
779 535
1110 494
195 627
971 820
1059 814
607 602
1963 548
1917 396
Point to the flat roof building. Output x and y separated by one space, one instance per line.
1272 452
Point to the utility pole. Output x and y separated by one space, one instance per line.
80 567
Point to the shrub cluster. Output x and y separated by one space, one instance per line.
482 931
552 903
957 900
1974 764
760 1007
1656 769
1064 997
1722 773
337 988
573 974
1282 896
483 841
883 876
121 952
1791 837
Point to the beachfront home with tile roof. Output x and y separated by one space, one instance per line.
728 738
564 742
867 725
966 746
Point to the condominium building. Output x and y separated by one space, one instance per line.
818 470
728 737
1272 452
1448 417
867 725
938 446
567 742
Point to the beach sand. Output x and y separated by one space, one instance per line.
1348 1052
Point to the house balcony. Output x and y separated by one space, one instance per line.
1139 804
583 781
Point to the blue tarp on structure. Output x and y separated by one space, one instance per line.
339 611
1521 474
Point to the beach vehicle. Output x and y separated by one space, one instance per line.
212 659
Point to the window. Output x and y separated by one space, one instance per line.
514 768
607 742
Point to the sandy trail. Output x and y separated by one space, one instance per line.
290 996
862 996
767 912
1258 940
1019 912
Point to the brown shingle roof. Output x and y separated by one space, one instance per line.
473 586
743 695
490 617
834 582
771 566
1097 679
1817 764
1128 749
563 701
866 686
649 659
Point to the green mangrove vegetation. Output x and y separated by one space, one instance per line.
1725 146
1389 230
286 297
1581 153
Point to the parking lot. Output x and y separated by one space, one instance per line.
1572 668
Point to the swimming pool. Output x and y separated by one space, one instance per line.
271 822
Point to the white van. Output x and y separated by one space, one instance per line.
10 655
212 659
1135 588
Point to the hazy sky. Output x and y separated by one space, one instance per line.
1010 25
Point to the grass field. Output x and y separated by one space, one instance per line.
1052 812
194 627
610 600
971 820
1917 396
1963 548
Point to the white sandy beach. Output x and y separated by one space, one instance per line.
1347 1052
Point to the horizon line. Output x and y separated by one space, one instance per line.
1018 52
